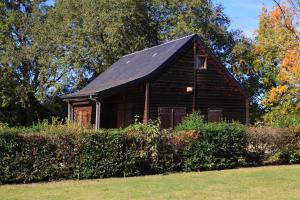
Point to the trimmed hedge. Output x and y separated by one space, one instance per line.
137 150
267 145
219 146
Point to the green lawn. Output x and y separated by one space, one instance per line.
281 182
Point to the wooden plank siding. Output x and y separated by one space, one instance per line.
129 102
214 89
168 89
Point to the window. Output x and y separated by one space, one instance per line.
201 62
214 115
171 117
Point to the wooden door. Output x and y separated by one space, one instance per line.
124 115
83 115
171 117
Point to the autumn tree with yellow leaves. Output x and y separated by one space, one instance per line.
278 57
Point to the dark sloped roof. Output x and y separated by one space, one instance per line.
141 65
132 67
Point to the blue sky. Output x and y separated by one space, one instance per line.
244 14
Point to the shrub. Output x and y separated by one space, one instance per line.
282 120
293 148
99 154
70 151
153 150
267 145
192 122
219 145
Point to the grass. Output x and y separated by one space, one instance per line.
279 182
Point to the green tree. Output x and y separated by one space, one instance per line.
89 36
25 76
243 66
182 17
278 38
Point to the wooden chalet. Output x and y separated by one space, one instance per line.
168 82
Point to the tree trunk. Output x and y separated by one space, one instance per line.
29 115
30 109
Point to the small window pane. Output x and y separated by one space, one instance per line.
201 62
198 62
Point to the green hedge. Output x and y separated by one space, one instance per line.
138 150
219 146
267 145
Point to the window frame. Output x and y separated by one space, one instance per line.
201 61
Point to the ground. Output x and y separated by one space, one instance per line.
279 182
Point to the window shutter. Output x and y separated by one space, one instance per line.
214 115
165 116
179 115
171 117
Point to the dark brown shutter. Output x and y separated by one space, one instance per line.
214 115
179 114
171 117
165 116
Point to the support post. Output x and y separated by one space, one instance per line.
98 115
146 105
195 77
247 111
70 112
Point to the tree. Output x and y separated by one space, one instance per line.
243 57
91 35
182 17
279 58
25 75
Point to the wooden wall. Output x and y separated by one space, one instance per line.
168 89
214 89
120 109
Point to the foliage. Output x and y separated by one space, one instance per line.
293 148
155 151
266 145
278 118
50 151
182 17
243 59
218 146
90 35
268 66
279 58
99 155
192 122
28 79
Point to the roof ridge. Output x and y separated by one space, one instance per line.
159 45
